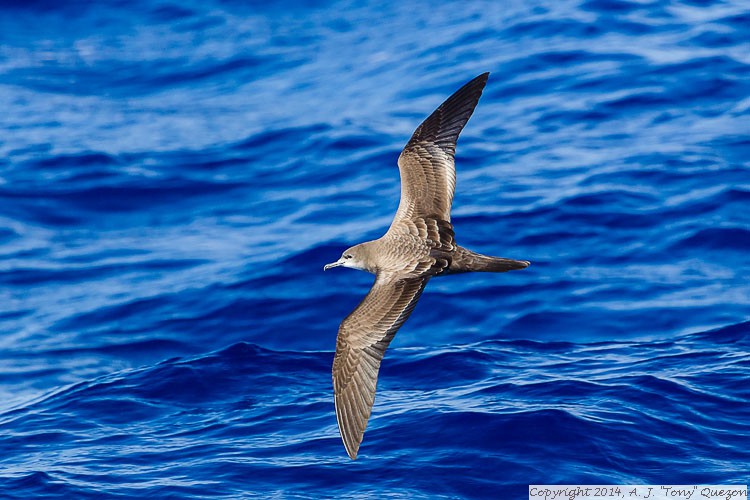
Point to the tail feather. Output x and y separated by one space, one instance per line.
466 261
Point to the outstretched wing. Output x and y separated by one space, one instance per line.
428 172
363 338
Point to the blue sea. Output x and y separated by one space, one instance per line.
174 176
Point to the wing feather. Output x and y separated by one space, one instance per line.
363 338
426 165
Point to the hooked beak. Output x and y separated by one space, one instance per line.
333 264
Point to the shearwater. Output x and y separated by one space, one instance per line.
419 245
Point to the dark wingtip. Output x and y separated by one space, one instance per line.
444 125
478 81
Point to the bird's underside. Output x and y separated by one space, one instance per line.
420 244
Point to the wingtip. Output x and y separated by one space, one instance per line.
350 442
351 450
482 78
445 124
350 445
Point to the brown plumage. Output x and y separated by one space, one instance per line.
419 244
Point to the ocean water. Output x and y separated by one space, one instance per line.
174 175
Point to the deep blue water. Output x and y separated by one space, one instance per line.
173 176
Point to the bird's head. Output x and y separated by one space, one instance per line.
354 257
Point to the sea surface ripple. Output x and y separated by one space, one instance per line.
173 177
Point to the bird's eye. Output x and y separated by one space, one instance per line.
347 256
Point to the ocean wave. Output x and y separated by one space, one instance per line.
174 177
533 410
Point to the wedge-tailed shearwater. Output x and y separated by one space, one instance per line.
419 245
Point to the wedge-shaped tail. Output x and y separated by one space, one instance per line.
466 261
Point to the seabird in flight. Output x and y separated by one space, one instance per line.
419 245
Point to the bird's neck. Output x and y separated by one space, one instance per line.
369 252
